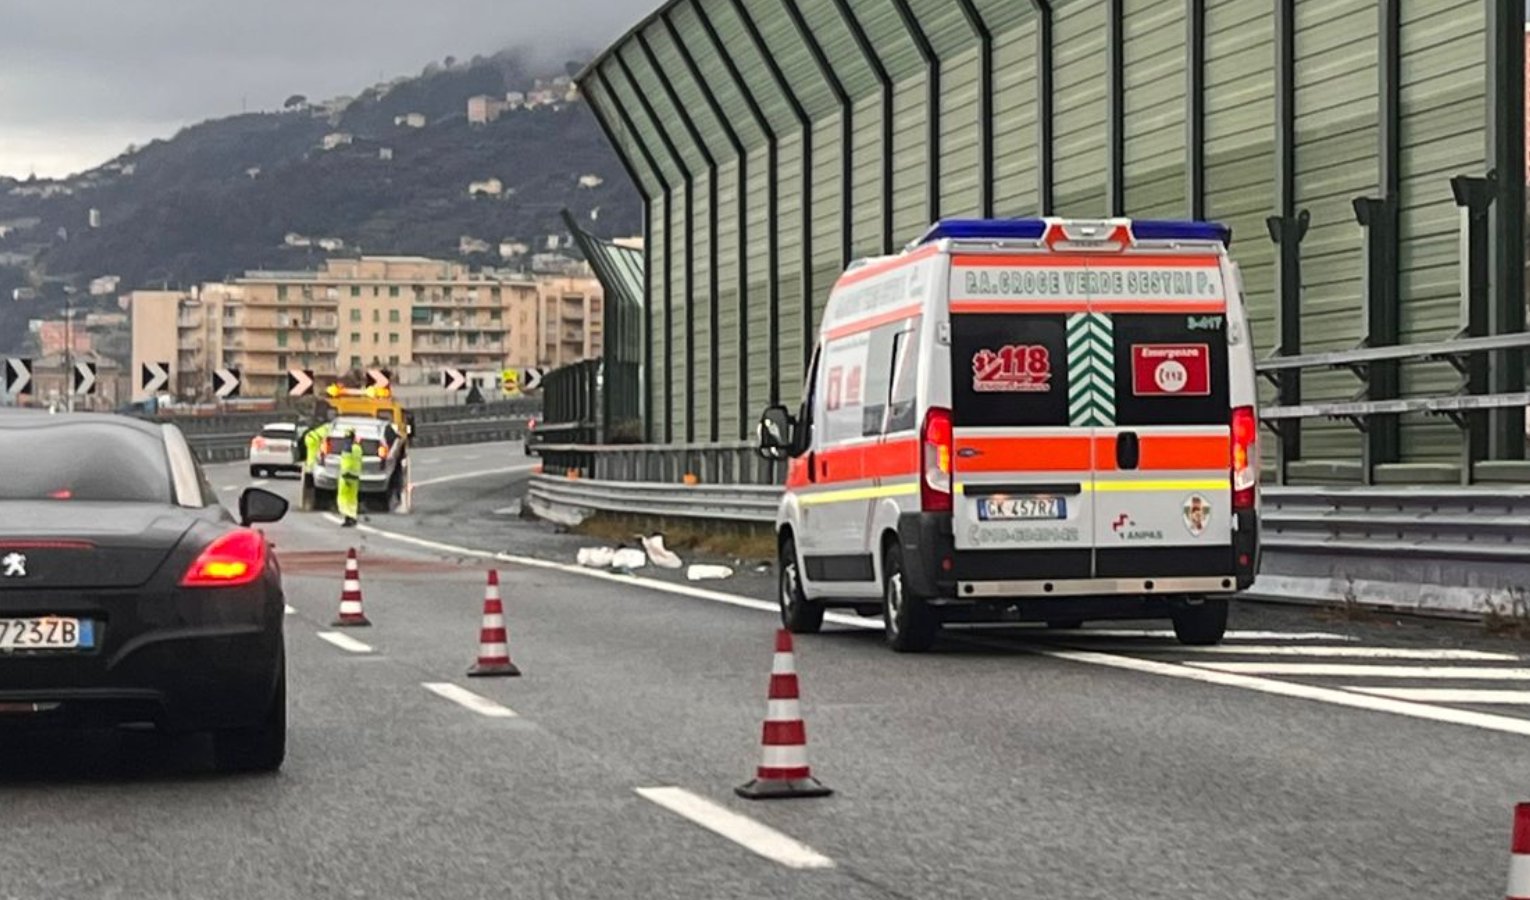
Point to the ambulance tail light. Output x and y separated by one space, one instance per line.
1245 457
935 443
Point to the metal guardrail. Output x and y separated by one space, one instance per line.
232 447
733 463
561 498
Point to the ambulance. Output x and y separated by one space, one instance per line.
1039 420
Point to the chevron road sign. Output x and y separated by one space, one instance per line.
226 383
16 376
153 376
453 379
1091 370
299 382
84 378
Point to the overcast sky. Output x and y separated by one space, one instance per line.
82 79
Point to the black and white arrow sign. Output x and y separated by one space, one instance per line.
453 379
16 377
379 378
84 378
225 383
531 379
153 376
299 382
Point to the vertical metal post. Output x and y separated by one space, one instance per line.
1115 108
1475 197
1381 326
1506 158
884 82
1195 108
69 347
1044 105
1287 230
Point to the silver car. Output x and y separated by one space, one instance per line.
276 449
382 452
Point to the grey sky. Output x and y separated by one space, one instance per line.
81 79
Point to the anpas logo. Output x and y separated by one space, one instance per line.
1127 530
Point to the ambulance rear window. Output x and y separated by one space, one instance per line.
1171 369
1009 370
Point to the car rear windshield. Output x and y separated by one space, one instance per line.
93 461
277 434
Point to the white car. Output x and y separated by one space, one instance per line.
276 449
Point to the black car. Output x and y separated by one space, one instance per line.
129 595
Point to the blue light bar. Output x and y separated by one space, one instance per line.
1167 230
985 229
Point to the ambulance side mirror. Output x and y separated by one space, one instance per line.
774 433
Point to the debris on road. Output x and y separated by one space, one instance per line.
658 554
625 559
596 557
701 572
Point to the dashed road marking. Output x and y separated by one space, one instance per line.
1360 670
740 829
1449 695
1231 635
464 697
344 642
288 609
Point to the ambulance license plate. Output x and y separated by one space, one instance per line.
997 509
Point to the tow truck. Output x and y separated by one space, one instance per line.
385 471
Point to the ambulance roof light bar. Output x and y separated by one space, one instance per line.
1036 229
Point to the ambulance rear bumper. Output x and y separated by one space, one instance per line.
931 564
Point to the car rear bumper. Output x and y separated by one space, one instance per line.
370 484
216 669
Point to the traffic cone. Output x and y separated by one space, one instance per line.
783 771
1519 854
351 615
493 643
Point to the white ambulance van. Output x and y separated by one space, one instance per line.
1038 420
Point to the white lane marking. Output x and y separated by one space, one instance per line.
1340 651
740 829
230 488
471 457
344 642
260 482
1231 635
463 476
1448 695
1360 670
289 610
464 697
1331 696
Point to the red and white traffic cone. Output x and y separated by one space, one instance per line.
1519 854
493 641
784 770
351 615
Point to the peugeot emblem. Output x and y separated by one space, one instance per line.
14 565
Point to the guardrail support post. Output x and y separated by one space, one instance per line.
1381 443
1287 232
1475 197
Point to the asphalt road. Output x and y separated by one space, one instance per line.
1010 763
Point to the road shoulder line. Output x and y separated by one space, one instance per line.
469 700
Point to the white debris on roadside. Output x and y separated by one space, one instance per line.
596 557
628 558
658 554
700 572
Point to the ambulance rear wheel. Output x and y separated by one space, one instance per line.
909 624
1203 624
798 614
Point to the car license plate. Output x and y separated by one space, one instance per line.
46 633
993 509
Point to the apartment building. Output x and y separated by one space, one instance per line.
403 313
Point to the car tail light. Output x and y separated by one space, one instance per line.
1245 457
236 558
935 439
258 443
531 424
